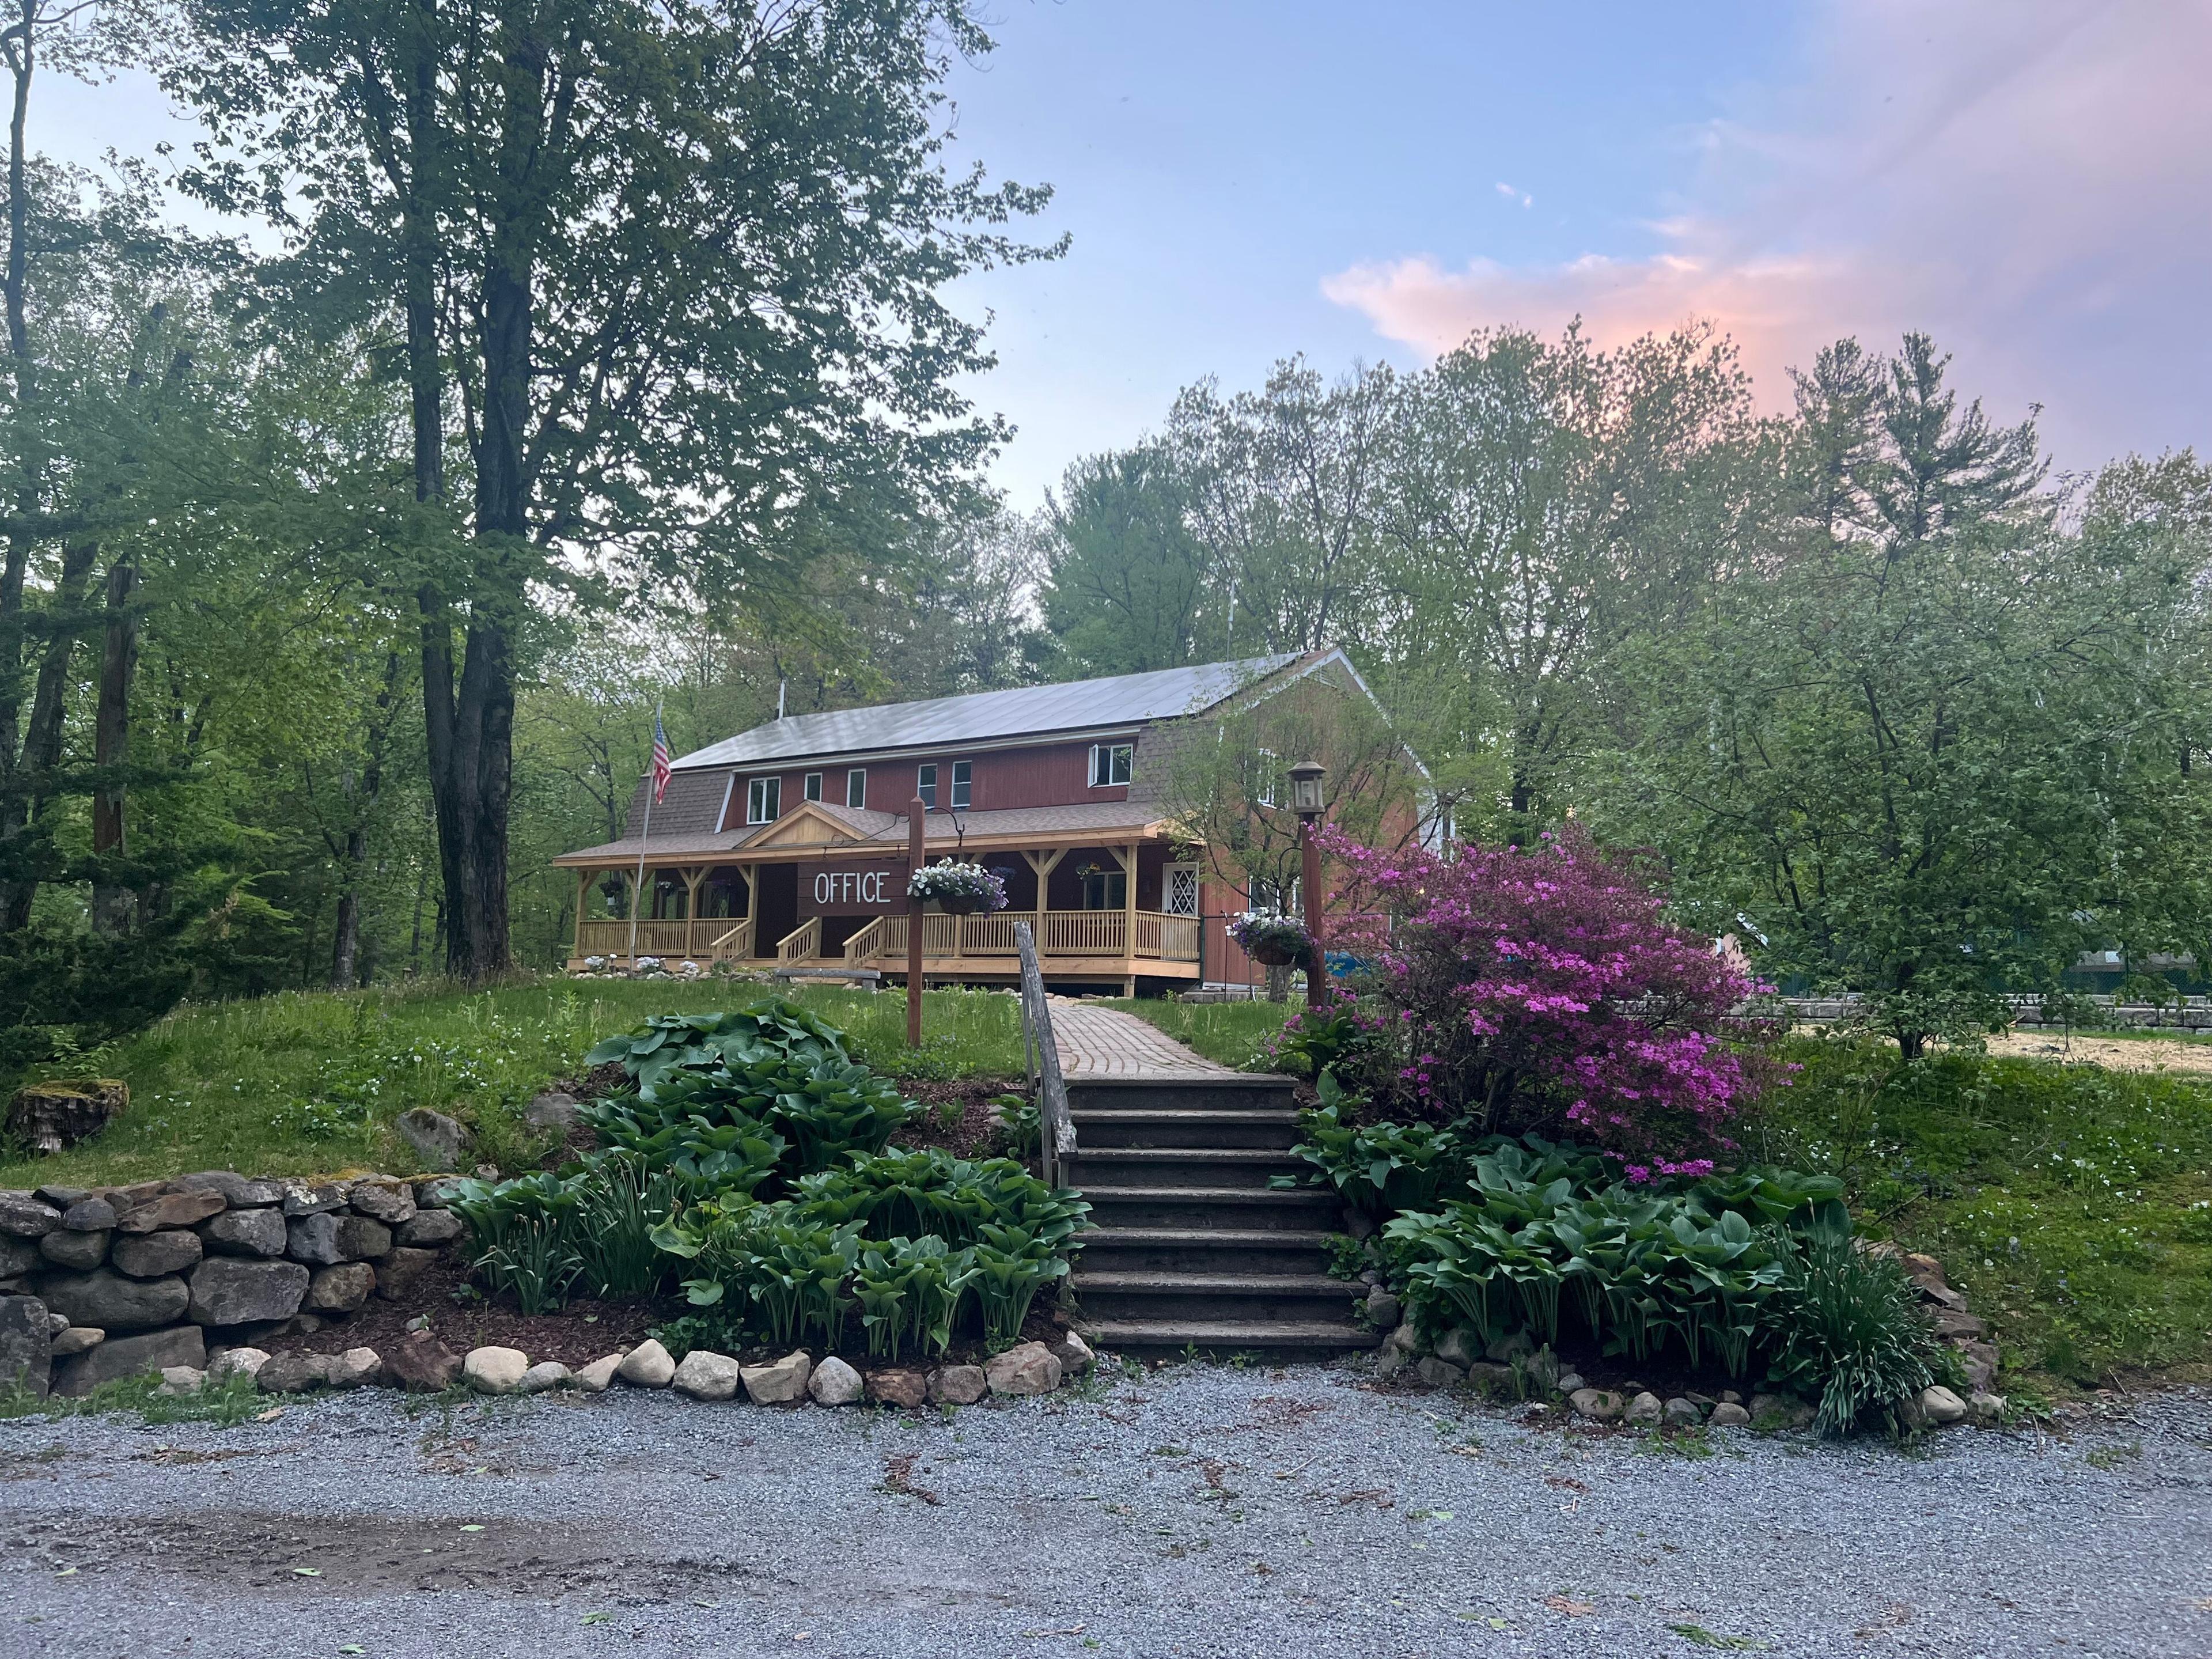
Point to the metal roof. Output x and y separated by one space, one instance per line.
1076 705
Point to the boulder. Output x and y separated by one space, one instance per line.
320 1198
78 1339
597 1376
130 1356
834 1383
62 1197
1570 1383
647 1366
79 1253
255 1232
1729 1415
1922 1266
26 1343
1542 1368
544 1374
341 1290
437 1140
1390 1361
958 1385
1383 1309
400 1274
58 1113
382 1198
494 1371
117 1304
172 1210
149 1255
1986 1409
358 1368
1404 1338
229 1291
297 1373
423 1363
1786 1411
554 1110
89 1214
24 1217
1459 1347
237 1191
1599 1405
1027 1368
1073 1353
327 1239
1681 1413
19 1255
1440 1373
1358 1222
224 1363
1645 1408
429 1230
705 1374
1506 1350
780 1382
1949 1321
1939 1406
434 1191
178 1381
1980 1359
899 1385
1495 1381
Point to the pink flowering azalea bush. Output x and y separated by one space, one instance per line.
1543 990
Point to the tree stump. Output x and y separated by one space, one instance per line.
62 1111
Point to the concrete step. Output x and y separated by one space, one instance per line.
1206 1249
1225 1091
1300 1339
1185 1126
1241 1298
1153 1205
1179 1166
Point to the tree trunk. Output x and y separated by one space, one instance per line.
42 737
118 661
354 859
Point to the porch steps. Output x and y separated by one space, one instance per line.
1193 1248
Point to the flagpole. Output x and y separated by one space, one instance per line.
644 835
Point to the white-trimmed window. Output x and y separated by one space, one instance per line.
1110 763
764 801
963 774
856 788
813 786
925 784
1179 890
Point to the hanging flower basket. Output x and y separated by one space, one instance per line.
1272 941
959 889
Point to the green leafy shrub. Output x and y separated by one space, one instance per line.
707 1044
1843 1327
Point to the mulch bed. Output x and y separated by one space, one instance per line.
974 1132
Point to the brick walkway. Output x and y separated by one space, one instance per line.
1097 1041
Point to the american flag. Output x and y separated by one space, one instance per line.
661 770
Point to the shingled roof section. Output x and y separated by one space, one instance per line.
1031 710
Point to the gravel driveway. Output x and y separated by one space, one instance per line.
1200 1510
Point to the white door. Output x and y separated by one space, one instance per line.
1179 890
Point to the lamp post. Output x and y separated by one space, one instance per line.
915 922
1307 802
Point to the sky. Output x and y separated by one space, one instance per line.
1242 180
2028 180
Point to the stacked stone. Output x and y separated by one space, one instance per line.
99 1282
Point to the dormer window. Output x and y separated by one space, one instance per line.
764 801
1110 763
812 785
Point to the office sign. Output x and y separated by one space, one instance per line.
853 888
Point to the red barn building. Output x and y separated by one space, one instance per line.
786 845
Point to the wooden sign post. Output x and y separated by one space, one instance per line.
915 924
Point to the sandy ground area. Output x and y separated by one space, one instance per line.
2121 1054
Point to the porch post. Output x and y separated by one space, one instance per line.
583 892
1129 924
914 924
693 876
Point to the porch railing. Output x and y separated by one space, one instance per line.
1053 934
703 938
802 943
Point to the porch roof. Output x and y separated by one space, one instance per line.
836 826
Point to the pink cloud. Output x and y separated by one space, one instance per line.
2028 179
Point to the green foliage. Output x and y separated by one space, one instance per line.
1382 1167
1844 1325
2068 1201
225 1401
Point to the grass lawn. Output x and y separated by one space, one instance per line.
308 1083
1232 1033
2073 1204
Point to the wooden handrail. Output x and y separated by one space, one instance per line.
802 943
1056 1137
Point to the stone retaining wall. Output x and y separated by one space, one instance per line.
100 1283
